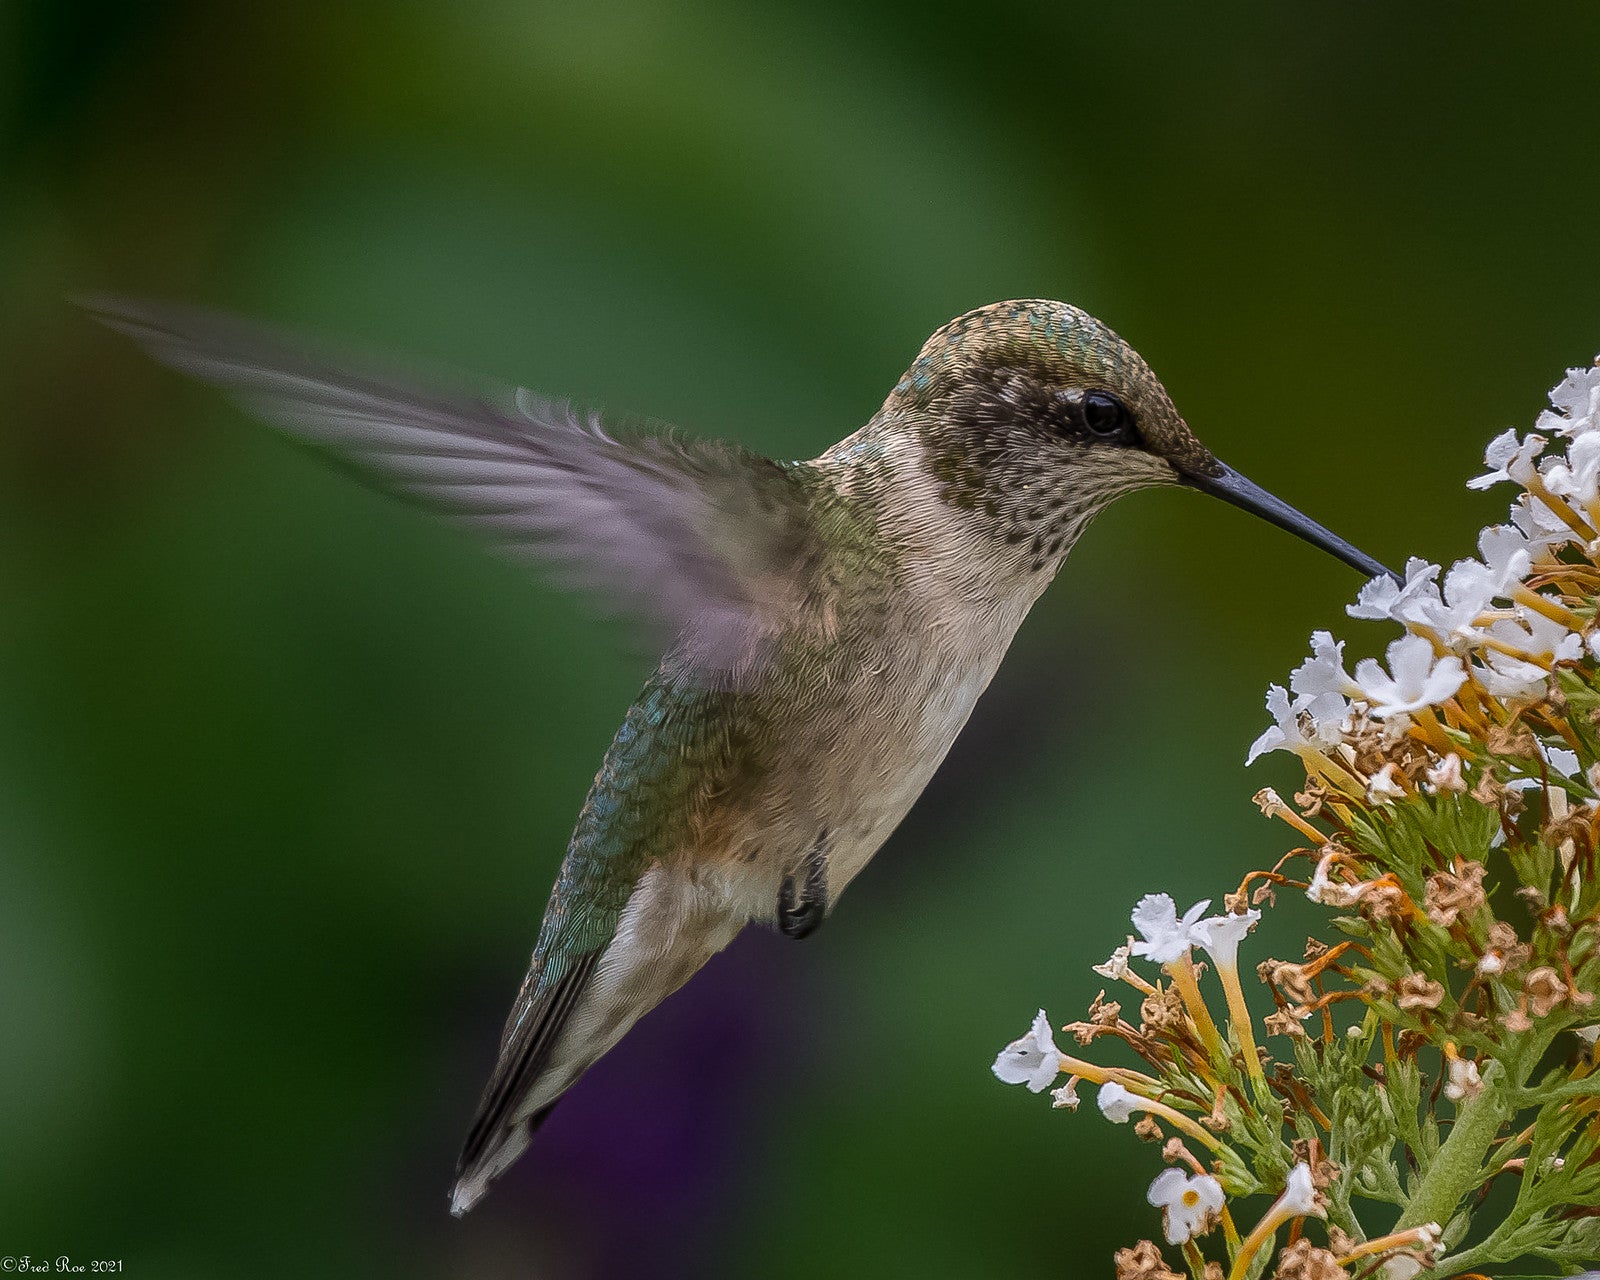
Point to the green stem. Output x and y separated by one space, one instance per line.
1458 1168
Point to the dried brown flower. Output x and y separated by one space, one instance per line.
1503 952
1143 1262
1313 797
1514 739
1384 900
1452 893
1305 1261
1418 991
1294 980
1545 990
1103 1012
1162 1013
1489 790
1324 1172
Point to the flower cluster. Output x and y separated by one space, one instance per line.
1446 1045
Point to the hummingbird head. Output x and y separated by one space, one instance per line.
1034 416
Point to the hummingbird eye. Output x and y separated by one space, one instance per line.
1105 415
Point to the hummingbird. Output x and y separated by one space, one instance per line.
827 625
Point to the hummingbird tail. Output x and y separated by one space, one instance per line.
473 1184
506 1120
563 1021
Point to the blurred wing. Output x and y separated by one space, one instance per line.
708 542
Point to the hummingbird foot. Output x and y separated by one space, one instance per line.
802 907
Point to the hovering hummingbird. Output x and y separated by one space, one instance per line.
828 625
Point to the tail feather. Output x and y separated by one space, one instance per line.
512 1140
502 1130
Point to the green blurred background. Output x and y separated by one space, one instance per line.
286 769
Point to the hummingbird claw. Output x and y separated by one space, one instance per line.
801 910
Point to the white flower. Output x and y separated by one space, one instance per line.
1538 637
1577 403
1508 552
1116 1103
1220 936
1066 1096
1382 597
1446 775
1491 963
1541 526
1166 936
1510 678
1189 1207
1117 964
1578 476
1323 671
1299 1196
1306 724
1382 787
1469 588
1418 680
1509 459
1033 1060
1464 1081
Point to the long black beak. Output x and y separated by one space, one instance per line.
1230 486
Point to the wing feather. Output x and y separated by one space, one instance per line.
708 543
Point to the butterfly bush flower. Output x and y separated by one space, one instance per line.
1576 478
1033 1060
1384 599
1191 1205
1540 525
1165 934
1508 554
1418 680
1469 588
1220 936
1307 724
1575 405
1509 459
1434 1041
1115 1102
1323 672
